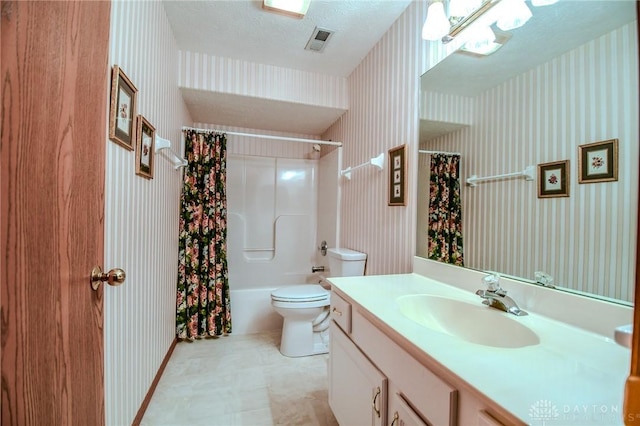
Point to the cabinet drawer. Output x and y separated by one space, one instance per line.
341 312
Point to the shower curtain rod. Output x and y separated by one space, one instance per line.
255 135
422 151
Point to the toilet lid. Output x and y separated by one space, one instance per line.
300 293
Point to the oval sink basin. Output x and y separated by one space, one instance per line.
474 323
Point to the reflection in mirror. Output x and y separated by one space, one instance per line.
569 77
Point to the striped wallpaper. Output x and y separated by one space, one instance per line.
383 113
141 217
446 108
205 72
587 241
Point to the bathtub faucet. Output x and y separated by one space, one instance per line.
315 269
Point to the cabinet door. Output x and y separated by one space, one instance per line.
357 390
401 413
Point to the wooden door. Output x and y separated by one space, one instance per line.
632 387
54 84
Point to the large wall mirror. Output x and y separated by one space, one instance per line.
568 77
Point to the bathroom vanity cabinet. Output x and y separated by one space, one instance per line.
462 363
375 379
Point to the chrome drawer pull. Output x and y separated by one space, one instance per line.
336 312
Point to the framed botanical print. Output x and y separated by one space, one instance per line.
598 162
122 110
398 176
553 179
145 146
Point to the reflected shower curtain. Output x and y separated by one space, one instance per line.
445 210
203 305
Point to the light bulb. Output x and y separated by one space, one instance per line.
514 15
481 40
436 25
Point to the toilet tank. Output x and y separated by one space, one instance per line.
344 262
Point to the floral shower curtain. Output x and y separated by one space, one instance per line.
445 210
203 305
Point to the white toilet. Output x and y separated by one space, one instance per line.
305 308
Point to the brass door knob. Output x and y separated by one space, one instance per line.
114 277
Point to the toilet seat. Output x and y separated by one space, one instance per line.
300 294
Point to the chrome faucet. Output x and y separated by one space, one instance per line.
496 297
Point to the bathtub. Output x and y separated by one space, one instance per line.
251 310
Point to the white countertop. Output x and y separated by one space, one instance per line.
572 377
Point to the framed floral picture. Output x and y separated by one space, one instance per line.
122 109
398 176
553 179
145 146
598 162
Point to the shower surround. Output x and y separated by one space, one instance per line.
271 236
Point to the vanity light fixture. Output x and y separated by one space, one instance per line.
481 41
294 8
469 19
463 7
436 25
458 9
538 3
473 48
509 15
515 14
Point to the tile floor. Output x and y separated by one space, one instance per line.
240 380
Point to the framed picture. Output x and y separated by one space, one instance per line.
145 147
598 162
553 179
398 176
122 110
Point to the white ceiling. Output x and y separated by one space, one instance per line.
241 29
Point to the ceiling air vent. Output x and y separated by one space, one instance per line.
319 39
